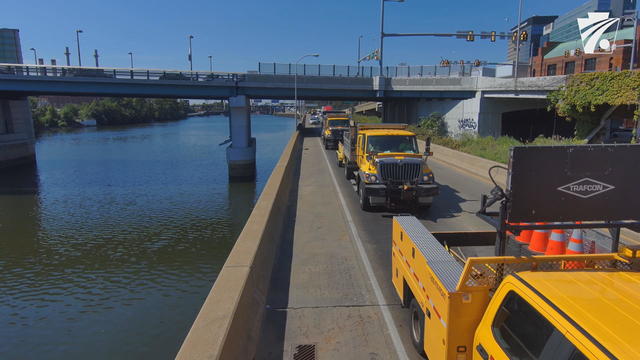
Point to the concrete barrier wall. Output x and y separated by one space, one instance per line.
229 322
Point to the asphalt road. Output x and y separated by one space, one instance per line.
453 210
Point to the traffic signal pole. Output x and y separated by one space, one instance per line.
517 60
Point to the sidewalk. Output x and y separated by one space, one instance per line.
320 294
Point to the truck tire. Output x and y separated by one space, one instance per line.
348 173
364 197
416 326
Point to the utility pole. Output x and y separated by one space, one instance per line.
295 86
35 56
131 57
517 61
78 43
95 55
382 34
210 63
634 47
190 54
67 55
359 38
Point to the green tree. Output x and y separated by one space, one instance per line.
586 97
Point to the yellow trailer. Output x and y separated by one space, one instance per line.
505 307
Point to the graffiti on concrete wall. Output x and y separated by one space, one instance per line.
467 124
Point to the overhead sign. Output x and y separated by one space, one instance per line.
593 27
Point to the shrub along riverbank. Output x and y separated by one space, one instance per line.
108 111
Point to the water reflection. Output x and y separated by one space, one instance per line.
109 247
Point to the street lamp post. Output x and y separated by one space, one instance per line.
78 43
35 56
382 30
190 54
210 63
517 61
295 85
359 38
131 58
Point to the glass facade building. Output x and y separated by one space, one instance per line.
10 51
565 27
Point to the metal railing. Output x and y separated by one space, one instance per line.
453 70
115 73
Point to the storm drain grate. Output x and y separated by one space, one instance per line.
304 352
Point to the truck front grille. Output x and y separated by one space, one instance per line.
400 171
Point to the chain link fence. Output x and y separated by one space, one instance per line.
453 70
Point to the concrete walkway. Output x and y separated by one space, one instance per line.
321 294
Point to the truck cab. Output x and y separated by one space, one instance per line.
562 315
333 128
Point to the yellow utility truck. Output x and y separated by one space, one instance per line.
333 126
386 166
565 307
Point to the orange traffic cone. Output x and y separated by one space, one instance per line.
576 245
525 235
539 239
557 243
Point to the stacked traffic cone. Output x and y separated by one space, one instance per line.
575 247
525 235
557 243
539 239
576 244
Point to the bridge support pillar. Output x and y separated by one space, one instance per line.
241 154
17 137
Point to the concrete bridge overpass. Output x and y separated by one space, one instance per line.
21 80
476 101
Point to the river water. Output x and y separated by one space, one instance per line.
110 246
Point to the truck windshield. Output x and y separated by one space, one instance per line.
339 123
392 144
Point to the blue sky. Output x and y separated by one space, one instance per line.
239 33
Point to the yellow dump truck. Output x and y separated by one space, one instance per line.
333 126
386 166
567 307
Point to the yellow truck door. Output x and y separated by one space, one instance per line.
360 150
515 327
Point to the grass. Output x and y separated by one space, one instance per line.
495 149
364 119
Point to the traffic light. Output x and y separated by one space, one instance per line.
578 52
524 36
514 36
470 36
444 63
476 63
493 36
567 53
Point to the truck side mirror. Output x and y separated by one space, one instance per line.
427 147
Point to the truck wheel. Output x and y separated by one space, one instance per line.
417 326
364 197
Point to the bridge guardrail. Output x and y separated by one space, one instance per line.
116 73
452 70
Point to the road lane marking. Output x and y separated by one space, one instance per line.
391 327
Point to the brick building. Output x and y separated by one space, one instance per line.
568 57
